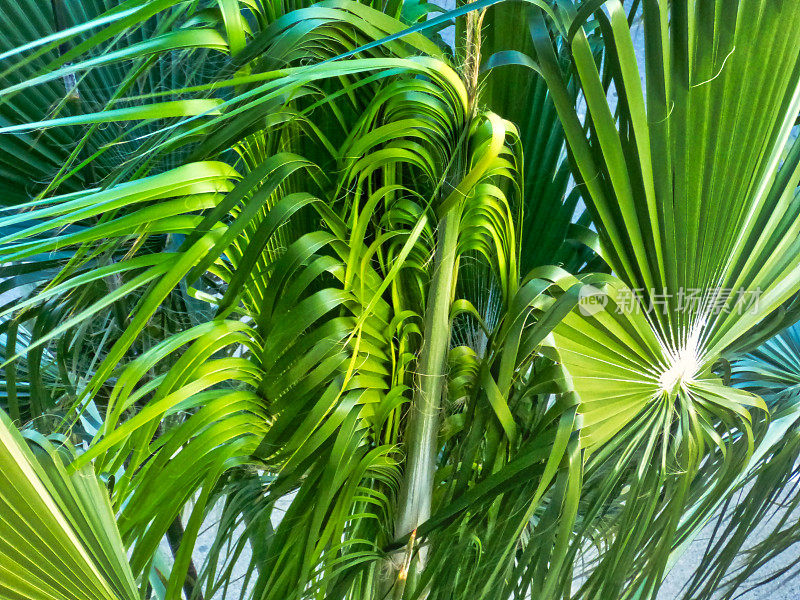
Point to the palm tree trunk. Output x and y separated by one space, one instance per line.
423 423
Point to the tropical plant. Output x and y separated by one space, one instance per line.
308 269
677 214
60 537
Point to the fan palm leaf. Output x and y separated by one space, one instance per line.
712 214
60 537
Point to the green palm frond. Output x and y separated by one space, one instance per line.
318 270
60 536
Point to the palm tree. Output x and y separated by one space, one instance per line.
306 256
677 212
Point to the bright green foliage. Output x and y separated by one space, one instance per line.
60 538
305 266
677 211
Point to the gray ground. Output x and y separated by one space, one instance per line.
783 588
